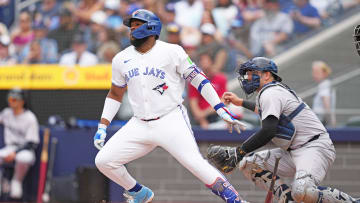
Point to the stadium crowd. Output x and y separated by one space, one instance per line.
88 32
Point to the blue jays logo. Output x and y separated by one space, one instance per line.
161 88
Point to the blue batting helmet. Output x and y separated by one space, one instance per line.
152 25
256 64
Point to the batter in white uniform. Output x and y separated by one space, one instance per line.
21 136
155 73
305 147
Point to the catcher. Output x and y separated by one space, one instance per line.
303 143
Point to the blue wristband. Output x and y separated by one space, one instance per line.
218 106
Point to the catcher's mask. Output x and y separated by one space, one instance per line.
256 64
357 38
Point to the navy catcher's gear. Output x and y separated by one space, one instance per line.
256 64
152 25
357 38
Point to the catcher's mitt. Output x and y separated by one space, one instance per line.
225 158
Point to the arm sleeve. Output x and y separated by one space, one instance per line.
263 136
249 105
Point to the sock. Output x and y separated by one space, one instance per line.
136 188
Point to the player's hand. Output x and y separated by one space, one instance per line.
99 138
229 97
231 118
225 158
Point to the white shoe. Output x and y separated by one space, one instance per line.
16 189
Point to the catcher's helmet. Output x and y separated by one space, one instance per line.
256 64
357 38
152 25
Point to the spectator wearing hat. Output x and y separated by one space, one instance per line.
47 48
305 16
79 55
173 33
268 33
66 31
97 25
114 20
209 45
5 57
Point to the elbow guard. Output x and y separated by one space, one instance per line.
203 85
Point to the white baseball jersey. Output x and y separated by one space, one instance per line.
19 129
276 100
154 79
155 86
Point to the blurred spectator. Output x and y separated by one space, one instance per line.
237 48
108 46
235 39
173 33
327 8
35 54
7 12
209 45
21 137
3 29
65 33
48 48
79 55
167 17
252 11
47 14
188 13
23 34
84 9
107 52
270 31
98 22
5 57
114 20
305 16
190 39
202 112
325 99
224 13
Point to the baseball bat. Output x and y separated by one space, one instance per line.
43 164
269 196
49 174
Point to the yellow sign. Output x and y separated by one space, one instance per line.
55 77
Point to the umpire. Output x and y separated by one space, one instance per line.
21 136
304 145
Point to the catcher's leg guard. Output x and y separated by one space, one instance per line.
252 168
225 190
305 190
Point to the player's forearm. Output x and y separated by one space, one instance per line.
263 136
203 85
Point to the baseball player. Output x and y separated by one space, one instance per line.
305 147
21 136
155 73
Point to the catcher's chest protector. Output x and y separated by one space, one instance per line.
286 129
